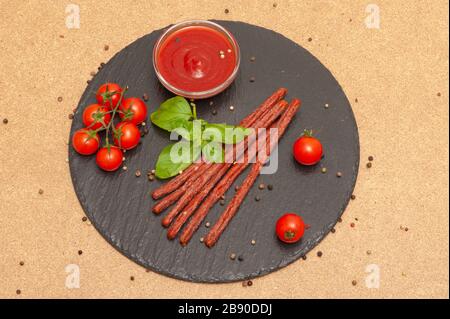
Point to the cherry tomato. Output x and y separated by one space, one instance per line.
290 228
133 110
307 149
85 141
108 92
94 115
109 159
126 135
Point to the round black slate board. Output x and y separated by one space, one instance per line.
119 205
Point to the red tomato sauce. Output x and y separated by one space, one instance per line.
196 58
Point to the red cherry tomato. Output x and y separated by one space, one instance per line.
94 115
126 135
290 228
307 149
85 141
109 159
133 110
108 92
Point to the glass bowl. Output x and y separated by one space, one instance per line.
197 94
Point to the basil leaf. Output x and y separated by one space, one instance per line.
225 133
171 112
175 158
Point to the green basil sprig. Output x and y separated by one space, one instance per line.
198 137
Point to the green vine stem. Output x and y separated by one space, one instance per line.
194 110
113 114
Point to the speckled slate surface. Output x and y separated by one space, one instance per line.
118 204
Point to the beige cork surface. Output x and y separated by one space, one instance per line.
396 78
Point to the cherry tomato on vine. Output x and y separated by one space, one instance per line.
290 228
108 92
109 158
94 115
85 142
133 110
126 135
307 149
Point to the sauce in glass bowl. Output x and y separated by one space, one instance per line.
196 59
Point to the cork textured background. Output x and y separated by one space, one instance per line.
395 76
